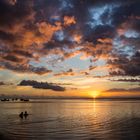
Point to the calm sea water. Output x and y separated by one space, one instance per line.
71 120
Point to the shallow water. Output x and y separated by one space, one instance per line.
71 120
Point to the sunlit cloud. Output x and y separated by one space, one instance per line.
69 20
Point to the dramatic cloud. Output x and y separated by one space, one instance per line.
126 66
33 30
22 36
25 68
41 85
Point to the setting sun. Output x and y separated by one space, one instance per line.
94 94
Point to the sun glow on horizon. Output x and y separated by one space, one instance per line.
94 94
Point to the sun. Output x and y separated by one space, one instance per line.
94 94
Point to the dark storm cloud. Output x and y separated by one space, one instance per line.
126 66
12 58
22 53
100 32
30 30
14 15
124 11
41 85
24 68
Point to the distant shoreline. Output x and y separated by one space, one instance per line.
75 98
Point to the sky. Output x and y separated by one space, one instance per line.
70 48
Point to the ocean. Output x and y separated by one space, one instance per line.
71 120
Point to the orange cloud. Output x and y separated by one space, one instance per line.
69 20
97 51
105 40
48 30
77 38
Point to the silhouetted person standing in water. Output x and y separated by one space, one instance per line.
26 114
21 115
